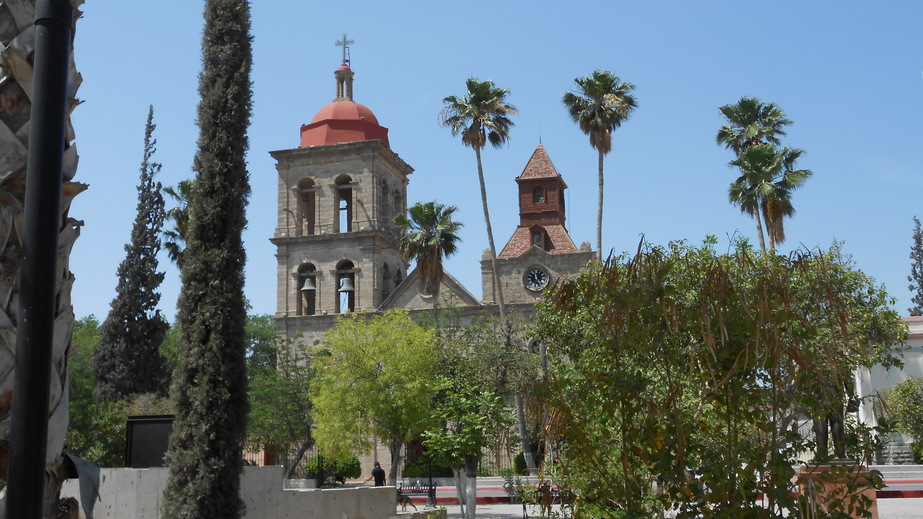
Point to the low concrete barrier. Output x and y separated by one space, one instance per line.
138 494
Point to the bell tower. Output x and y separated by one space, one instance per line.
541 250
338 193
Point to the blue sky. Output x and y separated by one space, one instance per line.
849 74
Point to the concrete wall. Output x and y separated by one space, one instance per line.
138 494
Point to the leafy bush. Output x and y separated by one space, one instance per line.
334 471
904 403
420 469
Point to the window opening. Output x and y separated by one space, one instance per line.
307 291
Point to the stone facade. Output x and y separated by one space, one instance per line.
336 206
337 247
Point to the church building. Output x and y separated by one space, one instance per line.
337 244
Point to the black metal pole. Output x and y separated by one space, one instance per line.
35 327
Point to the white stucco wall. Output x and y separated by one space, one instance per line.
870 382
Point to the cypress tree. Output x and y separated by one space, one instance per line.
916 269
128 361
210 383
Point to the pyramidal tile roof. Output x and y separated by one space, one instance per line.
539 166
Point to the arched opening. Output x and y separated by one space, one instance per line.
344 209
386 279
306 287
386 216
346 287
306 217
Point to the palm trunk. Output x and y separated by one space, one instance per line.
599 213
770 229
759 229
16 77
546 417
524 434
498 289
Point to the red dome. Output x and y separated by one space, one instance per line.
343 121
345 111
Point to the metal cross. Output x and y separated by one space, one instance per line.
345 44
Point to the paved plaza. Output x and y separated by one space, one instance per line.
906 508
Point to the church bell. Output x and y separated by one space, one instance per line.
308 285
346 285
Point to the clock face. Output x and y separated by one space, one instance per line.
536 279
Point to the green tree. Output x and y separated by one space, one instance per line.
96 431
280 404
768 178
210 382
429 236
472 418
916 270
481 116
682 357
599 107
903 402
175 238
127 361
374 379
482 364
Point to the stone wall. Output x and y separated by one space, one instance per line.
138 494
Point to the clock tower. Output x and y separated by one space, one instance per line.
541 251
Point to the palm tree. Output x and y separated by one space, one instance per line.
175 239
481 116
429 236
751 122
16 82
764 188
599 107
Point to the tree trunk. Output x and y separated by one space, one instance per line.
498 289
546 417
394 446
770 229
460 490
759 229
471 486
16 77
599 213
303 448
524 434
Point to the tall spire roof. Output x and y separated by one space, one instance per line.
539 166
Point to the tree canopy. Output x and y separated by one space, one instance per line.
374 379
430 235
916 270
680 357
